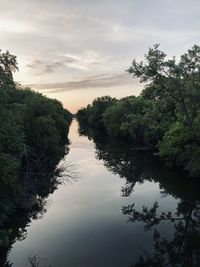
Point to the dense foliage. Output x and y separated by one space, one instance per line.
92 115
165 117
33 135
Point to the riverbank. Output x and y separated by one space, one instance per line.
33 138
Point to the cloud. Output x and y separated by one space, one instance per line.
91 82
86 61
34 64
58 40
44 66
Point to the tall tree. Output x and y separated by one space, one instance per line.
179 80
8 65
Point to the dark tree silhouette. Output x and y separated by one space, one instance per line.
181 250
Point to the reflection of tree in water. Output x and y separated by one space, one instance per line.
136 166
16 228
119 158
36 261
39 183
183 248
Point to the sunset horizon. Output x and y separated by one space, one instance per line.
75 51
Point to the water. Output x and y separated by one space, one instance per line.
86 220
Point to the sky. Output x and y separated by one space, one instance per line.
77 50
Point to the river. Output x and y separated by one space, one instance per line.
113 212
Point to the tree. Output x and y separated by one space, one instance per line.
93 114
8 65
179 81
33 138
125 118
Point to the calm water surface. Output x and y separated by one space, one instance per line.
98 220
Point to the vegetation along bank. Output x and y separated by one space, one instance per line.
33 135
165 117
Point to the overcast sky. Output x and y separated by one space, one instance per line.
76 50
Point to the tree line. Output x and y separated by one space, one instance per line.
33 135
165 117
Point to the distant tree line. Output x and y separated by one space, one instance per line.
33 134
165 117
